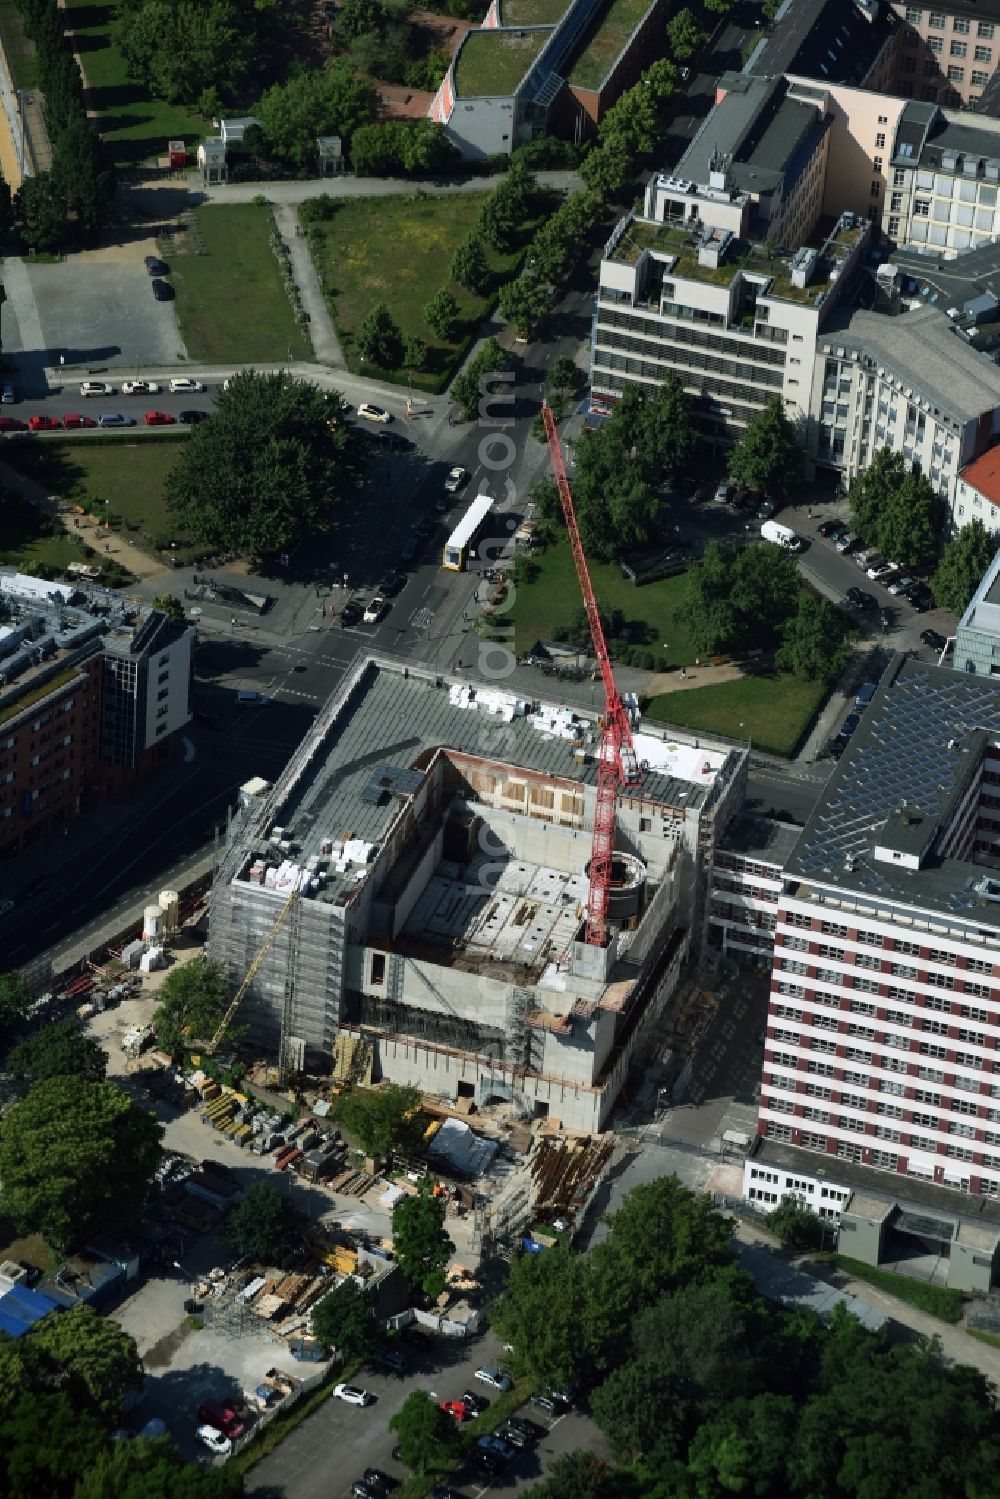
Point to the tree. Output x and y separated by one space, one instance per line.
331 100
764 592
664 433
443 315
744 1448
345 1320
523 302
640 1410
15 1002
379 340
606 170
75 1157
634 121
963 562
907 529
193 1001
422 1246
469 265
381 1119
498 219
796 1224
473 384
144 1469
565 373
615 504
702 1336
263 1225
414 353
99 1358
575 1475
61 1049
181 48
872 492
720 7
267 469
684 36
425 1431
79 175
171 606
814 643
543 1313
767 457
40 213
46 1444
359 16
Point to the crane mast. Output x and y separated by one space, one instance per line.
617 766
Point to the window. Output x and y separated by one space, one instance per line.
899 180
940 980
877 163
960 24
893 228
880 141
937 1002
921 208
978 965
959 49
822 1069
871 939
928 1049
888 1085
911 948
936 45
985 30
896 202
913 15
936 20
889 1110
983 54
969 1012
856 1079
956 75
831 929
922 1095
936 1027
867 960
979 79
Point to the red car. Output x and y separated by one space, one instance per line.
74 421
10 424
223 1418
159 419
44 423
456 1408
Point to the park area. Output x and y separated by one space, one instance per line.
231 304
32 541
121 481
134 125
773 710
398 251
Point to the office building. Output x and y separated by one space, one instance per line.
422 865
884 1023
746 883
977 639
946 53
92 694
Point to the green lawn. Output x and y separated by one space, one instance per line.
493 63
773 712
135 125
939 1301
604 41
28 537
130 475
532 12
552 598
231 305
20 51
397 251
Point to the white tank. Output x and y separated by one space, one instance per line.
170 906
152 921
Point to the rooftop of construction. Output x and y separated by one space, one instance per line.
369 754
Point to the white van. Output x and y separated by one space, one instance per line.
781 536
182 385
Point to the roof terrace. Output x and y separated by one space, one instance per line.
493 64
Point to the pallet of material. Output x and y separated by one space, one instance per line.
267 1306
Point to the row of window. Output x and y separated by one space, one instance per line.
937 21
891 944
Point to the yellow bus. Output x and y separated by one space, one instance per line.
465 535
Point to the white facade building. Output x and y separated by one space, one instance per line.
746 884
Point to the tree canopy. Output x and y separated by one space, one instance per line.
192 1003
331 100
62 1049
814 641
381 1119
420 1240
379 340
99 1358
76 1157
267 468
963 562
15 1002
742 596
425 1431
896 510
345 1320
264 1225
767 456
473 384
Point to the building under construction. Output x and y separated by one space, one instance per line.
426 850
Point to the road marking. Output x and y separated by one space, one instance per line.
422 619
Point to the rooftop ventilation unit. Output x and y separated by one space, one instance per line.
989 889
992 170
949 160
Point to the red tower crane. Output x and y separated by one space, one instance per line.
617 766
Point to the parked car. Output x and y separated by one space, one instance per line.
353 1394
159 419
562 1396
934 639
900 585
74 421
162 290
155 266
491 1443
139 388
373 413
544 1402
766 510
375 610
362 1489
391 1359
860 599
7 396
181 384
216 1441
115 419
880 572
456 1408
513 1436
44 423
722 493
189 418
476 1403
222 1417
96 388
495 1378
385 1481
350 614
849 725
848 542
529 1428
833 530
390 585
457 477
490 1462
921 598
11 424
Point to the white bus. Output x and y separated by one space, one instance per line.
465 535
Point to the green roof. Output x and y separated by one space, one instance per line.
492 63
604 40
533 12
671 239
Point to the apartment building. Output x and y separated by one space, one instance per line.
883 1035
92 693
945 181
977 493
946 53
746 883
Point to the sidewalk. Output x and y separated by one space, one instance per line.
322 334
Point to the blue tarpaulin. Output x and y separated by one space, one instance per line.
21 1307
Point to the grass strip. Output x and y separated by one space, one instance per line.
939 1301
